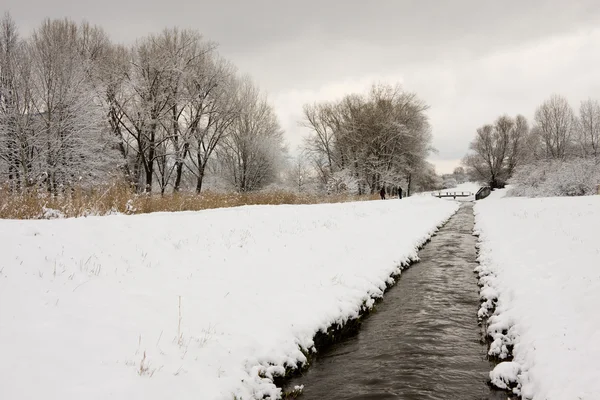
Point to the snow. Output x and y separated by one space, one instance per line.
504 376
189 305
540 267
498 193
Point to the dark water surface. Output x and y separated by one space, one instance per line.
423 340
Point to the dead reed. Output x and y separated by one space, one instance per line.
119 198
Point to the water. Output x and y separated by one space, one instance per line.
423 340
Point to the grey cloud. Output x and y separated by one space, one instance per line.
412 25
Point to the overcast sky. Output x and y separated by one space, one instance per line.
469 60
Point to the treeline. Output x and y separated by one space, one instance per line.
364 142
557 141
77 110
169 114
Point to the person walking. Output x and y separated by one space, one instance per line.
382 193
399 192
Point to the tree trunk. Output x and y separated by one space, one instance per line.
149 171
178 173
14 179
199 180
137 168
149 161
180 153
200 176
115 124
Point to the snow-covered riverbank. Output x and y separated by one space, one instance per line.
195 304
540 262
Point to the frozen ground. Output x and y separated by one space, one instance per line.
540 262
191 305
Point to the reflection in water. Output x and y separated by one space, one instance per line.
423 340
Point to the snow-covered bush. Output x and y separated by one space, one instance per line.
342 182
579 177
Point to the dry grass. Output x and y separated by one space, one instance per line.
118 198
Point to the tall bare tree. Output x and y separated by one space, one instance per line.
213 112
252 152
589 128
194 77
497 150
320 119
555 125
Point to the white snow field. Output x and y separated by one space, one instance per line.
540 258
191 305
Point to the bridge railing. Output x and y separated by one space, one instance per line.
451 194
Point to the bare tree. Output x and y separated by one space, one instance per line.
253 149
193 81
214 113
320 119
147 104
497 150
517 153
114 71
589 128
460 175
299 174
555 124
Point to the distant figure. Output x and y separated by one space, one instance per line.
399 192
382 193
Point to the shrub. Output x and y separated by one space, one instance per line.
578 177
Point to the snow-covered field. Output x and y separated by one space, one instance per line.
540 258
191 305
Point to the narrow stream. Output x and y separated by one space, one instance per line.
423 340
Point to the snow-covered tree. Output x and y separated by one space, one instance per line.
381 138
68 114
18 139
52 123
545 178
213 114
555 124
589 128
460 175
300 176
252 152
76 108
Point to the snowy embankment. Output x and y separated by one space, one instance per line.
540 271
186 305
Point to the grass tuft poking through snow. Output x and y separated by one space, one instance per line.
213 305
